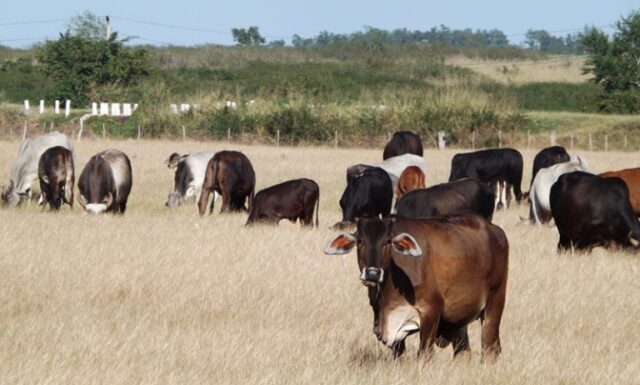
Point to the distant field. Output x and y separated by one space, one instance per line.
161 296
566 69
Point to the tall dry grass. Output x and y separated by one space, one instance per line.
160 296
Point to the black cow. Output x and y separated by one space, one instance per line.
356 170
489 165
466 195
548 157
230 174
292 200
105 182
403 142
369 194
591 211
57 177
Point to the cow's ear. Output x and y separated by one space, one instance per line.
342 243
173 160
406 256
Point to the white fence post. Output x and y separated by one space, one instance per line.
115 109
104 131
41 109
56 107
174 108
229 134
126 109
26 105
552 138
184 134
94 108
138 132
441 142
67 107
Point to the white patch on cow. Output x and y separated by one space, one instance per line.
395 166
399 323
497 194
197 164
96 208
503 194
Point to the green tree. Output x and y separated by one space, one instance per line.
250 36
88 26
615 63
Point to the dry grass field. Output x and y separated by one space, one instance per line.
160 296
554 69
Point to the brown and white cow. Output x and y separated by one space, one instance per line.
230 174
292 200
420 280
412 178
105 182
631 177
57 177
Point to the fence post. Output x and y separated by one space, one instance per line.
278 138
26 105
552 138
528 139
441 143
184 134
56 107
41 109
24 131
104 134
67 107
335 138
590 143
499 138
229 134
606 142
473 140
138 132
388 136
51 126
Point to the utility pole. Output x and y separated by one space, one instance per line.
108 27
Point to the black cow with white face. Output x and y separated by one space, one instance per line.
105 183
591 211
368 194
489 165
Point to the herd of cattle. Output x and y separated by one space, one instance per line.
431 258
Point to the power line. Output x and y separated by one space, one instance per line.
33 22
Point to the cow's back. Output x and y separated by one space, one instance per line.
631 177
403 142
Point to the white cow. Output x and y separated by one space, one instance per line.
540 210
25 170
189 176
395 166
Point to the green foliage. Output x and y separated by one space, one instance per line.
21 79
250 36
81 66
552 96
543 41
88 26
615 64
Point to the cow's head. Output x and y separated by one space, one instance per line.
174 159
53 189
377 244
96 208
12 197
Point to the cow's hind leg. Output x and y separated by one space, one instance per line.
491 322
428 331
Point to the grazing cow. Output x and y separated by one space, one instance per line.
230 174
631 177
292 200
502 191
105 183
591 211
189 176
433 276
411 178
487 165
548 157
25 170
369 194
57 177
540 209
356 170
403 142
465 195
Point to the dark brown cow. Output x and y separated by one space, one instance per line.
422 280
630 176
412 178
57 177
231 175
292 200
403 142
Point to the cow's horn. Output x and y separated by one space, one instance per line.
109 199
632 240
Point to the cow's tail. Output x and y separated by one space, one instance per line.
318 209
252 195
214 170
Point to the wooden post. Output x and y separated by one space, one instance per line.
229 134
104 133
552 138
24 131
138 132
278 138
606 142
51 126
184 134
528 139
499 138
473 140
590 143
335 138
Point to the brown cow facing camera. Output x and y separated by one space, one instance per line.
292 200
412 178
57 176
433 276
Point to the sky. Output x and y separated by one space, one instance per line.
23 23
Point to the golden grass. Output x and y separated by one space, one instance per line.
553 69
161 296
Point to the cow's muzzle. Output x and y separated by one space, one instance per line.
372 276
